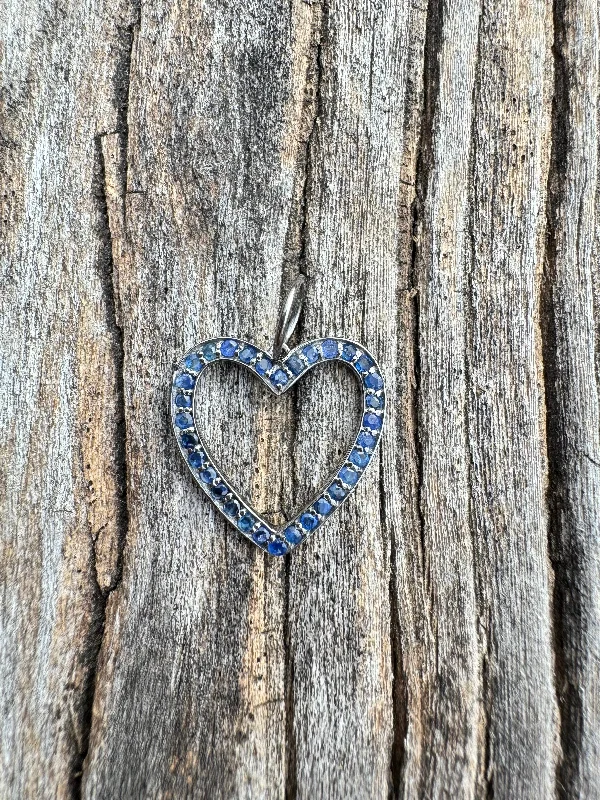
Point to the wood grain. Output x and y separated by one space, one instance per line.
167 169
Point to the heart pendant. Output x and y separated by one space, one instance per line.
279 377
279 374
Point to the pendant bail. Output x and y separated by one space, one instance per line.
290 314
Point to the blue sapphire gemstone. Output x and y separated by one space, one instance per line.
359 459
374 402
311 354
348 476
261 536
279 378
309 521
219 491
295 364
364 363
228 348
262 366
183 401
246 523
277 547
196 459
323 506
372 421
189 440
193 362
208 475
185 381
374 381
184 420
248 354
329 348
337 492
348 352
232 508
209 351
366 440
293 535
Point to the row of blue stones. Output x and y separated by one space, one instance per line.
296 363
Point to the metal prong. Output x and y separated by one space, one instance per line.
290 315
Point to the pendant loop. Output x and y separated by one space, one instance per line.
289 316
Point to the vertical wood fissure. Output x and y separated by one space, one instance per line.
115 323
485 772
567 715
569 347
399 679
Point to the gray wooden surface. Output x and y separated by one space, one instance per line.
166 170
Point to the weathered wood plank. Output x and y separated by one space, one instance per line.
339 604
505 401
449 664
571 347
60 412
193 651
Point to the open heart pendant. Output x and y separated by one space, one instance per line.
279 375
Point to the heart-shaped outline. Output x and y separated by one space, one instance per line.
279 377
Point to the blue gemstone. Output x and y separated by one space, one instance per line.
189 439
309 521
348 352
219 491
248 354
183 401
232 508
277 547
374 381
323 506
366 440
193 362
329 348
372 421
374 402
208 475
228 348
293 535
348 476
337 492
261 536
209 351
364 363
185 381
196 459
311 354
246 523
184 420
295 364
262 366
279 378
359 459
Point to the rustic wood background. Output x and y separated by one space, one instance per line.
167 169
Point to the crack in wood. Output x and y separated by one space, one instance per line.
115 323
565 545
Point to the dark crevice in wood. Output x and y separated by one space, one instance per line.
431 78
485 762
399 682
291 781
310 141
107 272
568 627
